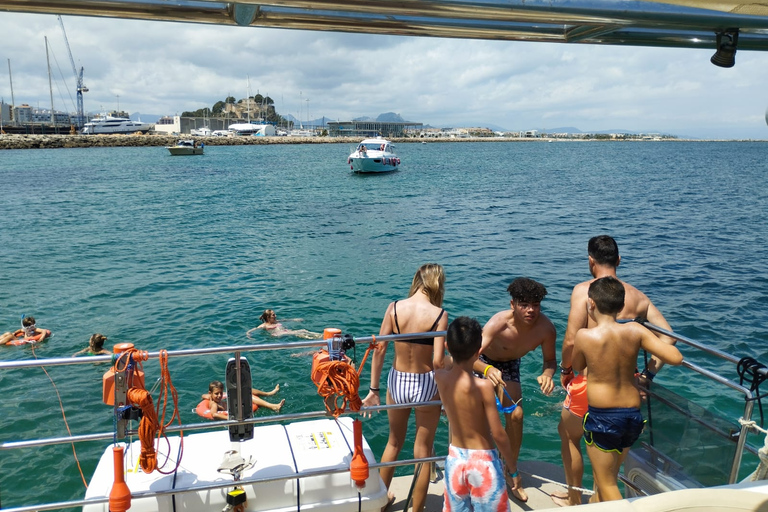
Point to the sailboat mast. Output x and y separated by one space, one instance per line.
13 102
50 84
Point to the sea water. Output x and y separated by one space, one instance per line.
185 252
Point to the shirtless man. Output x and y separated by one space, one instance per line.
613 421
603 260
507 337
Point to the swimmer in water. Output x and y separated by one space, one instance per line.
28 330
217 399
95 347
275 328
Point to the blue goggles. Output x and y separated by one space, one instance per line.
508 409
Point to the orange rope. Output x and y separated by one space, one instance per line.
147 427
66 423
166 386
152 425
340 381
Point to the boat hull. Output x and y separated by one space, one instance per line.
374 164
184 151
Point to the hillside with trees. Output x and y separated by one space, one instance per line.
257 108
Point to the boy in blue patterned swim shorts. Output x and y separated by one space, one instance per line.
474 475
609 352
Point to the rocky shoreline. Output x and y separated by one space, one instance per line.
12 141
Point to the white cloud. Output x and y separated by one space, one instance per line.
166 68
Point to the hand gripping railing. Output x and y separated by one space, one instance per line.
748 395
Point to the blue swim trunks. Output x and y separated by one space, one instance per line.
474 481
613 429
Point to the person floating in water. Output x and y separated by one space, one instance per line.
275 328
29 333
95 346
213 405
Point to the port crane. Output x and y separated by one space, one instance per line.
80 120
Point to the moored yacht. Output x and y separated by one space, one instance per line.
107 124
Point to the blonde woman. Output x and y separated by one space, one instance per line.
411 378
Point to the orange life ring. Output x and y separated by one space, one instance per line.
21 340
203 410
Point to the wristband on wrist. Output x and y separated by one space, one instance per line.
485 372
564 370
374 390
648 374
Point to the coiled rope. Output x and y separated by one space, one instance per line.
152 425
340 384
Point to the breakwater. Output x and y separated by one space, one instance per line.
10 141
25 141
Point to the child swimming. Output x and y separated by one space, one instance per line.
275 328
95 346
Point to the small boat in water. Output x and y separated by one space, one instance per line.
186 147
374 155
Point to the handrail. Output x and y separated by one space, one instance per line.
63 361
696 344
748 395
5 365
34 443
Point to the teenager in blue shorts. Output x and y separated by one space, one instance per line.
609 352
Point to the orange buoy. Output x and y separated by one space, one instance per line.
358 467
120 495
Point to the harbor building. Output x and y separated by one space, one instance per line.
372 129
178 125
5 113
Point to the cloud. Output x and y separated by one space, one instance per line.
166 68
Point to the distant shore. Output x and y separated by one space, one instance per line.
8 141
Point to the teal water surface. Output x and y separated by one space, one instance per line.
185 252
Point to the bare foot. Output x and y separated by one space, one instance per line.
516 487
390 501
277 407
277 388
560 499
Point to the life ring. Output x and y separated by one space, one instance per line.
203 410
21 340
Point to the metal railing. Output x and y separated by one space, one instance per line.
7 365
748 395
109 436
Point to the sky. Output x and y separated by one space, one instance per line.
165 68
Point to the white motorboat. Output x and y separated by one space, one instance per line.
374 155
186 147
107 124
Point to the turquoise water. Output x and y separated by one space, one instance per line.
171 252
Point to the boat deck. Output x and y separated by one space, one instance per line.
538 490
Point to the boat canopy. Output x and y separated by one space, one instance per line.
709 24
